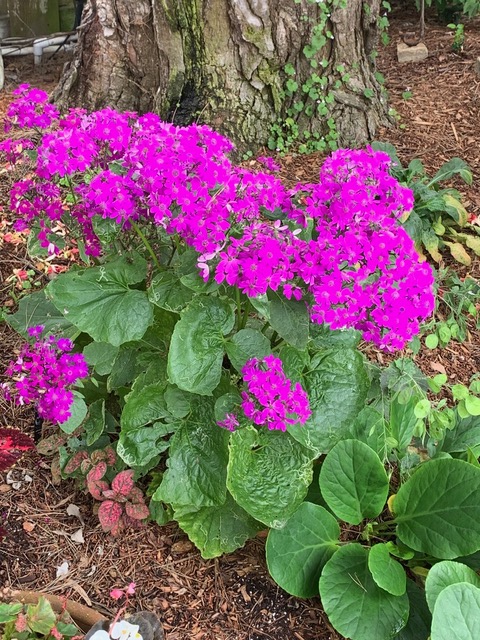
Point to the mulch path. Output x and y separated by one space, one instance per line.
229 598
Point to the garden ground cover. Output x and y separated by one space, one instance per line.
232 597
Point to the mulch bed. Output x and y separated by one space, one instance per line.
230 598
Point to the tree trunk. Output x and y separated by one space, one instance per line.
223 62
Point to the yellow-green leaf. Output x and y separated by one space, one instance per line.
461 214
458 253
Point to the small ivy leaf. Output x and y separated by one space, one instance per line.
109 515
137 511
123 482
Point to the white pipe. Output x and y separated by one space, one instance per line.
24 51
43 43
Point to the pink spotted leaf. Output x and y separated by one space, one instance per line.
95 484
109 515
123 483
137 511
136 495
75 461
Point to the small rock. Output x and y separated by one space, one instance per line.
411 54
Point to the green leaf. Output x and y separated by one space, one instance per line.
197 467
403 421
144 406
100 356
197 346
445 573
294 362
268 474
290 319
106 229
387 572
219 529
353 481
99 301
459 253
9 611
456 210
370 427
78 412
41 617
354 603
389 149
472 405
337 387
437 506
457 611
247 344
325 338
140 446
420 618
455 166
95 422
167 292
431 341
297 553
34 310
465 434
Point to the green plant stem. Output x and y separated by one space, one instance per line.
246 312
147 244
239 308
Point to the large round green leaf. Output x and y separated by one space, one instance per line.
387 572
167 292
34 310
354 603
370 427
289 318
297 553
437 510
218 529
445 573
337 385
457 613
420 618
353 481
268 474
197 345
99 301
465 434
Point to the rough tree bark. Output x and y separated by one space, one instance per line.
222 62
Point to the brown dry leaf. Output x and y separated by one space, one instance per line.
438 366
5 488
28 526
182 546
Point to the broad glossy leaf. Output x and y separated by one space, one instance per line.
297 553
34 310
403 420
323 337
294 362
247 344
337 387
290 319
455 209
9 611
457 611
268 474
99 301
144 406
197 466
353 481
420 618
445 573
354 603
167 292
387 572
197 346
218 529
101 356
437 506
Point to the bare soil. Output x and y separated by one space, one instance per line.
230 598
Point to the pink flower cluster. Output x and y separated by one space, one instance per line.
356 267
42 374
271 399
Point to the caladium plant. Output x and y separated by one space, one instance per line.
123 503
